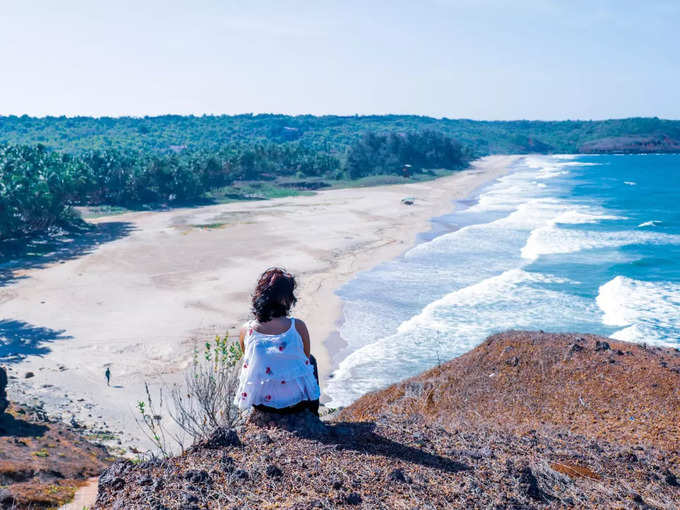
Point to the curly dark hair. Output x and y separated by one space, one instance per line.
274 294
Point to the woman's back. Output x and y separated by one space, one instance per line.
276 371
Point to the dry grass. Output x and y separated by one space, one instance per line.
550 428
627 394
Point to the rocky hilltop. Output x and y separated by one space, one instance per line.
525 420
599 388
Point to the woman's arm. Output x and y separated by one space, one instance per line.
301 328
241 337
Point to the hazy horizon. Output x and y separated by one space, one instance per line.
463 59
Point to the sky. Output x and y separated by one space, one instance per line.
478 59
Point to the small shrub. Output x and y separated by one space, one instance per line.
203 403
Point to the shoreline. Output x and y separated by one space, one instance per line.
137 302
493 168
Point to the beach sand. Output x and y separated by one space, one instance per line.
140 302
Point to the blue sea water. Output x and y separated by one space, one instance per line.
586 244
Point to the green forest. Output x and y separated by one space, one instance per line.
330 133
49 165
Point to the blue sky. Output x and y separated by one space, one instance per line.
483 59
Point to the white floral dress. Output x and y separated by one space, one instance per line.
275 371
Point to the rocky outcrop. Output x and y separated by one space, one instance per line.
495 428
3 391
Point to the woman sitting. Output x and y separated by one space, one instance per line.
278 374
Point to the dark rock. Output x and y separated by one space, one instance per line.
144 480
6 499
117 484
336 484
353 499
222 437
3 390
601 345
241 474
28 375
113 476
158 485
528 483
262 438
575 348
273 471
636 498
671 479
513 362
628 456
227 463
189 498
398 475
148 464
196 476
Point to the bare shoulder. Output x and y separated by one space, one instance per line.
300 326
245 327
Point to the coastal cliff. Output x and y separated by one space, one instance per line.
525 420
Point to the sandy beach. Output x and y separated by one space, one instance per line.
138 300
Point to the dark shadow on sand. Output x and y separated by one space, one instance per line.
19 339
35 253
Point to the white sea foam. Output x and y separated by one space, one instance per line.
652 223
630 183
646 309
551 240
454 324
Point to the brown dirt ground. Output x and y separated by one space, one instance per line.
43 463
615 391
526 420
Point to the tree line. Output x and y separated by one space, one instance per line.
39 186
328 133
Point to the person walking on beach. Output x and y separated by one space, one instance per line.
108 376
278 374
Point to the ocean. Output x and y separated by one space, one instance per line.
587 244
